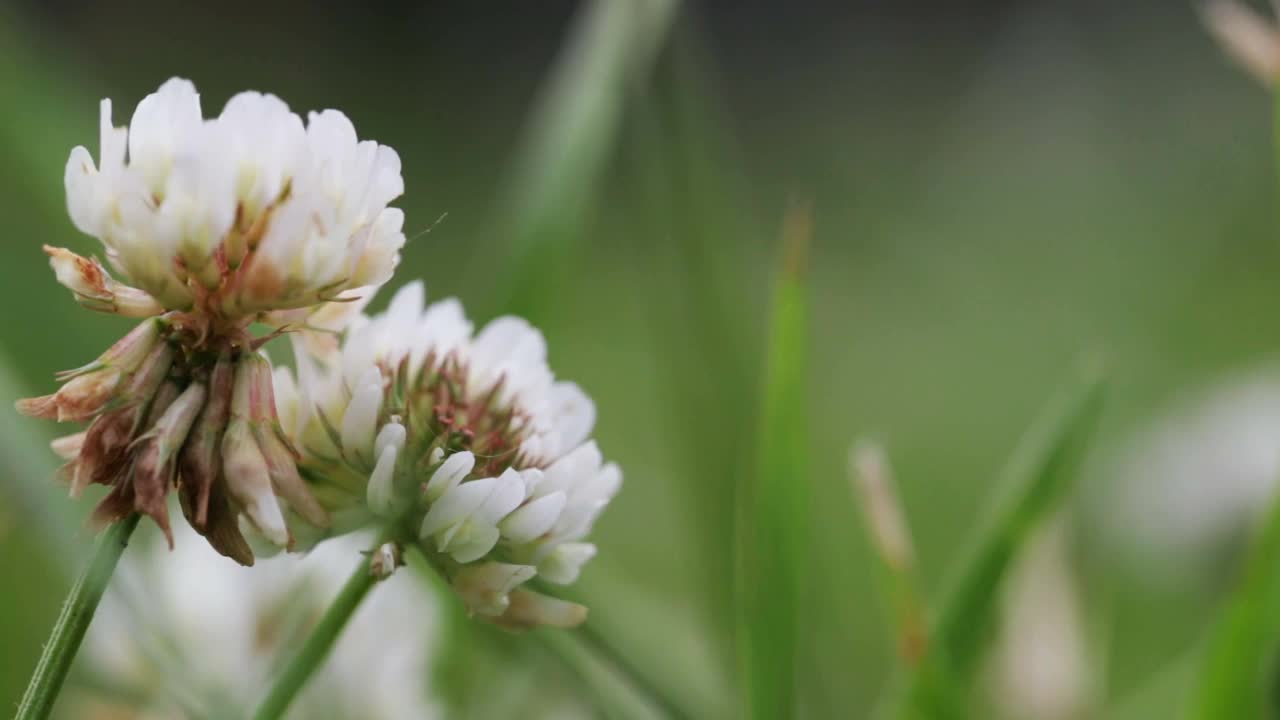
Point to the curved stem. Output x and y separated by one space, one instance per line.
317 646
73 622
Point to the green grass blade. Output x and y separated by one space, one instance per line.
1043 470
1242 643
687 202
1232 679
570 136
773 510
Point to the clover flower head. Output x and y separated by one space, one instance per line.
213 224
468 437
229 217
225 627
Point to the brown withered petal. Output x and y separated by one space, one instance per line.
114 507
219 526
83 397
197 467
106 446
68 447
150 481
44 407
106 449
200 459
156 453
163 399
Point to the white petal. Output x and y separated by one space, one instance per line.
528 523
575 415
392 435
484 587
564 564
360 419
457 504
567 472
444 327
287 405
455 467
405 307
507 495
381 491
112 141
532 478
473 542
163 122
83 186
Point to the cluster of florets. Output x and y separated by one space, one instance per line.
467 440
163 415
244 214
461 443
213 224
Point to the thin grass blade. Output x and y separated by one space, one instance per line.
1042 472
773 508
569 139
1233 681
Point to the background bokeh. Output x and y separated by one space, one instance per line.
997 188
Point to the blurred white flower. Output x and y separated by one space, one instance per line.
189 634
1187 485
471 435
248 212
1041 668
1251 40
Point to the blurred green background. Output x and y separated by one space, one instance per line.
996 187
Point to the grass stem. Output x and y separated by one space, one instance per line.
77 612
318 645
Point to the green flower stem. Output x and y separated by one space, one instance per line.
73 622
318 644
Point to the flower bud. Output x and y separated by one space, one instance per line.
484 587
95 289
384 561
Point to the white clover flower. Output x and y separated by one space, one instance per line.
471 437
214 224
1248 37
1041 664
245 213
1183 489
225 629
